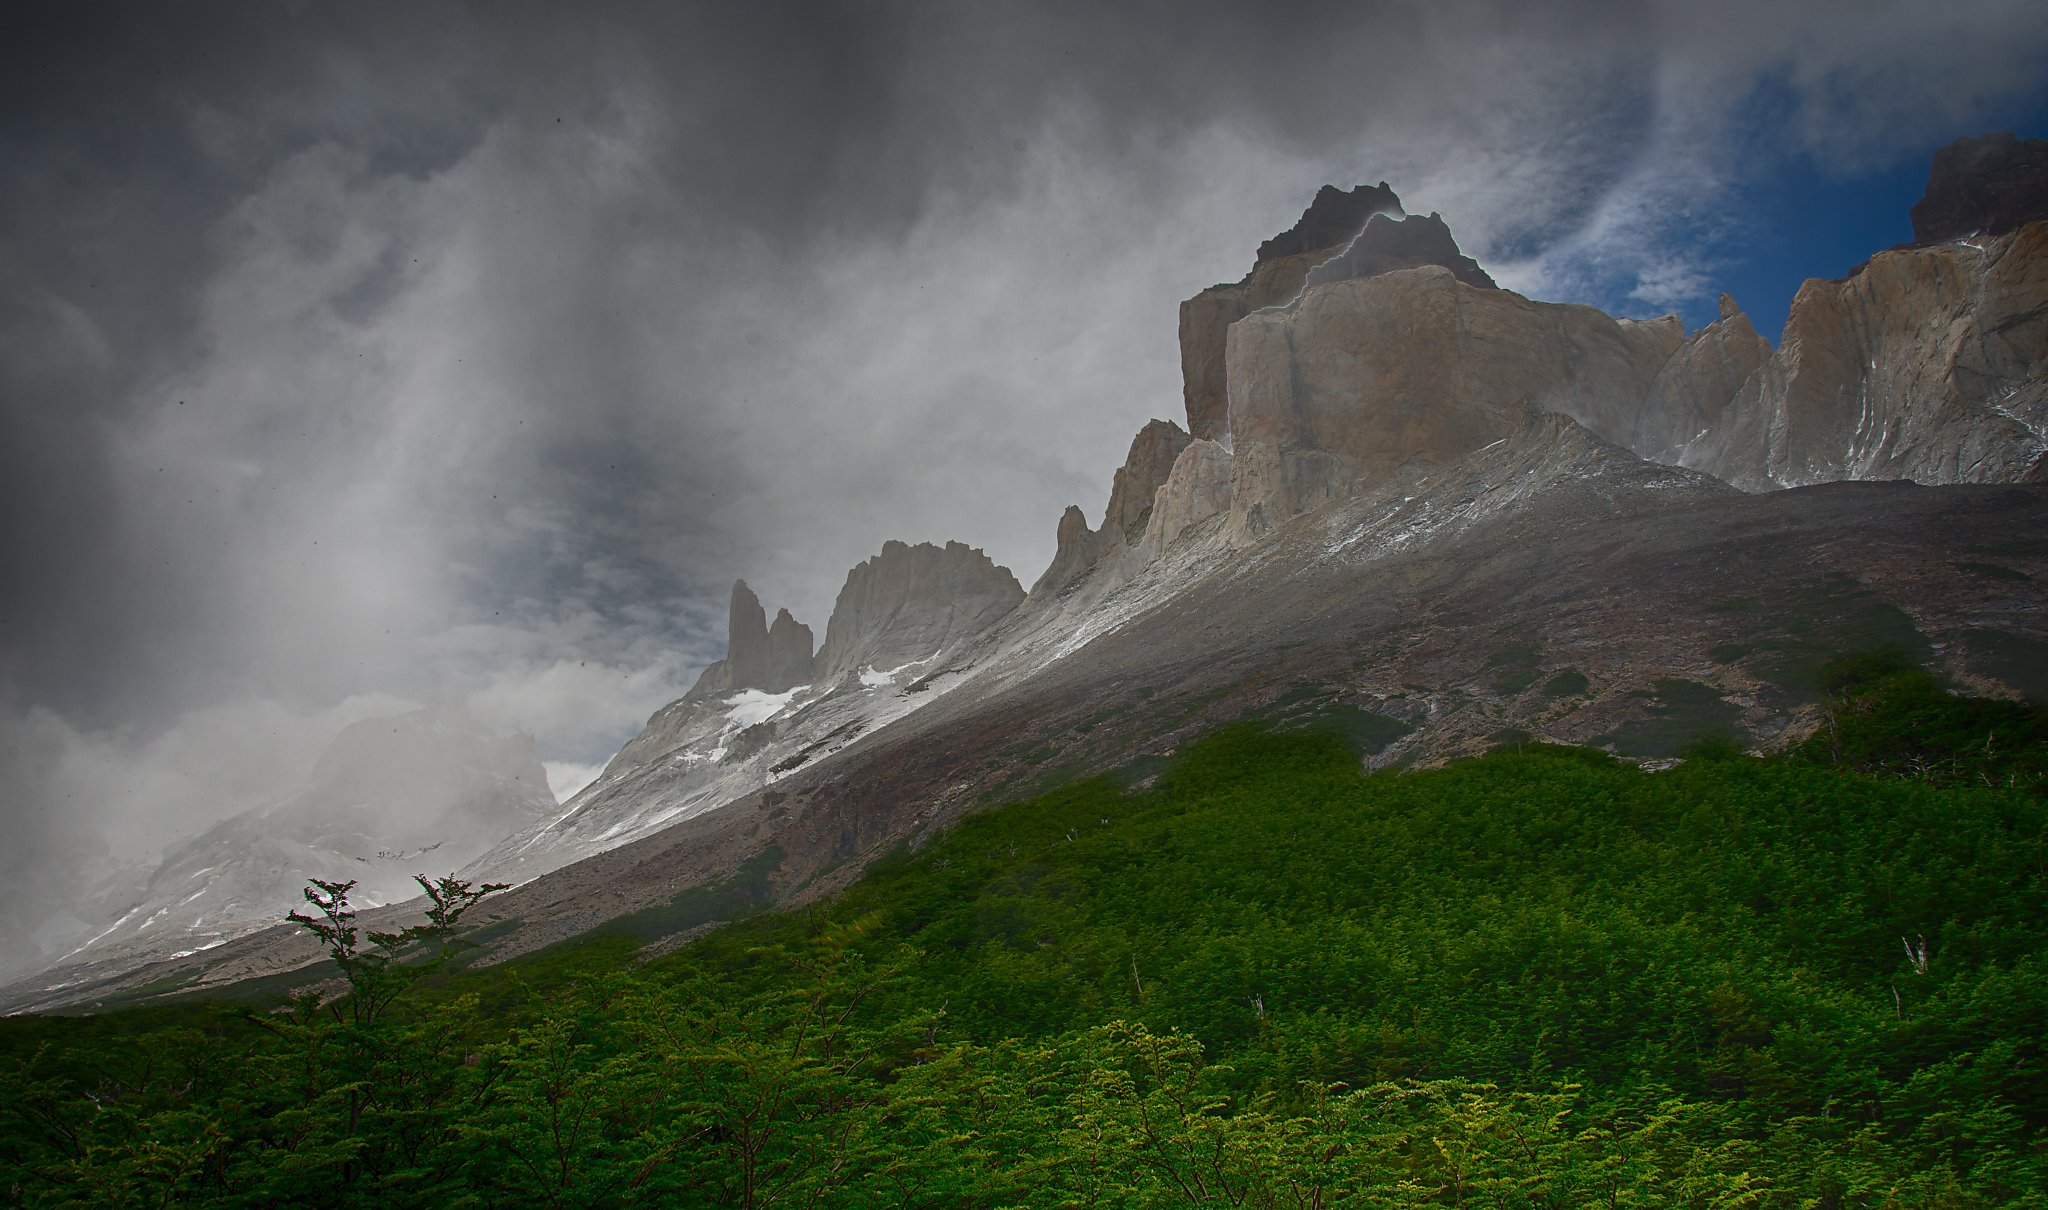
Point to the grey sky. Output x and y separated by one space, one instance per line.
357 355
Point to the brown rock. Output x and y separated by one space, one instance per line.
1930 364
1282 265
1388 243
1694 388
1145 468
1368 377
1197 489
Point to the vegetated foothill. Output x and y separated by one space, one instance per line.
1538 977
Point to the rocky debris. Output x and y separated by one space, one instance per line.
1983 186
1388 243
1692 391
1283 263
1197 489
1931 364
1365 378
910 603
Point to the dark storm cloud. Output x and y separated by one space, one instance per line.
360 354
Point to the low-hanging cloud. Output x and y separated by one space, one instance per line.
360 358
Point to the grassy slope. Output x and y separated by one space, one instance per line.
1740 938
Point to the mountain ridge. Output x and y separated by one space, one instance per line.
1430 512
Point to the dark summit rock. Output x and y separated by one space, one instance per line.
1388 244
1987 185
746 643
789 653
1332 218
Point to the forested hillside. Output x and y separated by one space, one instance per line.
1543 977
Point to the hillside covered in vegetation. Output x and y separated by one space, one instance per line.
1266 978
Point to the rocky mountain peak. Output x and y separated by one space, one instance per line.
909 603
1388 243
1330 223
757 657
1145 468
790 653
746 641
1983 186
1332 218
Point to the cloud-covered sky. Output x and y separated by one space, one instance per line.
357 355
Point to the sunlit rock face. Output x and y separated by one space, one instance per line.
910 602
1926 364
1283 264
1364 378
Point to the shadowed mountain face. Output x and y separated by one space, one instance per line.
1983 187
1441 517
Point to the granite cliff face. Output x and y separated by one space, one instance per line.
910 603
1132 494
1928 364
1282 265
757 656
1363 378
1693 390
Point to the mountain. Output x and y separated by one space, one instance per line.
1409 507
421 793
898 616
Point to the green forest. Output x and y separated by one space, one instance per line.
1267 978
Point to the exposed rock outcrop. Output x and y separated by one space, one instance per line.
1283 264
789 653
1078 549
1692 391
1145 468
1365 378
757 657
1983 186
1124 522
1930 364
1197 489
1388 243
910 603
746 640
